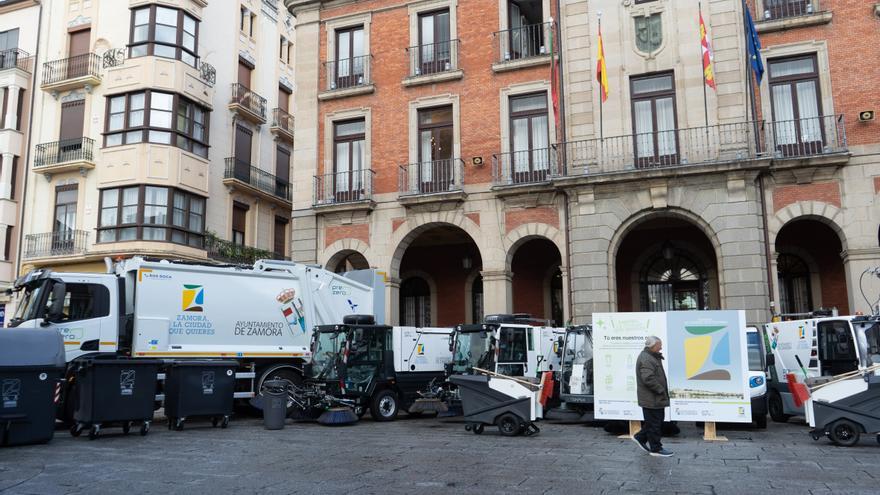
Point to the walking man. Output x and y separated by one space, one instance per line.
653 394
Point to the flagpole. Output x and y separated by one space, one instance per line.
601 96
750 77
705 97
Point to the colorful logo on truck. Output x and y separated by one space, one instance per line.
193 298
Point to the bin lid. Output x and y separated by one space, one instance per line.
31 347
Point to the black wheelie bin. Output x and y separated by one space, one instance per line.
199 388
31 369
114 391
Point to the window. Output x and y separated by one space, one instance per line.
8 41
674 284
239 222
280 237
654 120
82 302
795 291
284 50
778 9
148 116
795 99
248 19
12 176
65 209
349 139
512 353
151 213
530 141
525 18
164 32
415 307
434 43
350 63
477 300
435 149
282 171
7 250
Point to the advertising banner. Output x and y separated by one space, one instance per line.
618 339
707 363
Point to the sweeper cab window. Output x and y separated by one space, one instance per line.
512 354
837 351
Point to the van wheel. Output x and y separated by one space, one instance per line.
777 411
844 432
384 406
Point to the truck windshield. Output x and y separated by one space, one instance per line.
327 348
28 306
577 364
472 350
756 358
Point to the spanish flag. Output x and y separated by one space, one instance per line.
601 70
708 71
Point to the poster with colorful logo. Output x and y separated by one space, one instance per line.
707 363
618 339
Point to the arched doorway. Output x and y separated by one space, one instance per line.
537 280
809 269
347 261
666 263
447 260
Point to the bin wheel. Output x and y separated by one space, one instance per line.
76 430
178 425
145 428
126 427
94 431
468 427
478 429
225 423
844 432
509 425
215 422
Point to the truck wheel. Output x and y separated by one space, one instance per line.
760 422
384 406
286 374
777 410
844 432
508 425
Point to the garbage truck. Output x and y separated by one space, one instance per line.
261 316
377 367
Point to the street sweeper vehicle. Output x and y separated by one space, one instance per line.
377 367
575 373
261 316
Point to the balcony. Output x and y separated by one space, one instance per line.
433 63
80 71
16 59
52 244
64 156
249 105
819 139
779 15
282 124
242 176
525 46
238 254
344 191
433 181
116 57
348 77
524 167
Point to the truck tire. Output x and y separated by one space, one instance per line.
844 432
284 373
359 320
384 406
776 408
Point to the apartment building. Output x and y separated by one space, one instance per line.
428 133
165 131
18 46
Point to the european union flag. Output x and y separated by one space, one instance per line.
753 44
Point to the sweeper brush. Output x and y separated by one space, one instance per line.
424 405
338 416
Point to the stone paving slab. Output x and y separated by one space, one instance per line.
427 456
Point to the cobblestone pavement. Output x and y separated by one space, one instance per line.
424 456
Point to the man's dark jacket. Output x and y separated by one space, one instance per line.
652 390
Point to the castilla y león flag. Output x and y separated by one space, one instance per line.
708 71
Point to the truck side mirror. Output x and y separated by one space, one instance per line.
56 312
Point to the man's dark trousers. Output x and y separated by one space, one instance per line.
652 429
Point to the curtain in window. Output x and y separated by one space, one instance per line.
341 167
644 129
343 64
540 143
521 145
427 47
426 169
357 165
783 115
665 127
808 108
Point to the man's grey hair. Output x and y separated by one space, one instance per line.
651 341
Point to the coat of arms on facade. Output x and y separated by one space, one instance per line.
649 33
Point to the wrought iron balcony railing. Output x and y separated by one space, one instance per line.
16 58
806 137
282 120
57 71
115 57
251 101
61 243
433 58
348 73
523 42
438 176
785 9
524 167
343 187
58 152
239 254
257 178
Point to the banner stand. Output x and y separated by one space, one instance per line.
710 435
634 427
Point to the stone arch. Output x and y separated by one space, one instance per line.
415 225
828 214
337 251
526 232
636 219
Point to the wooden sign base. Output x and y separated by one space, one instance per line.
709 433
634 427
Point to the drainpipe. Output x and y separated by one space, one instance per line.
567 199
760 181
